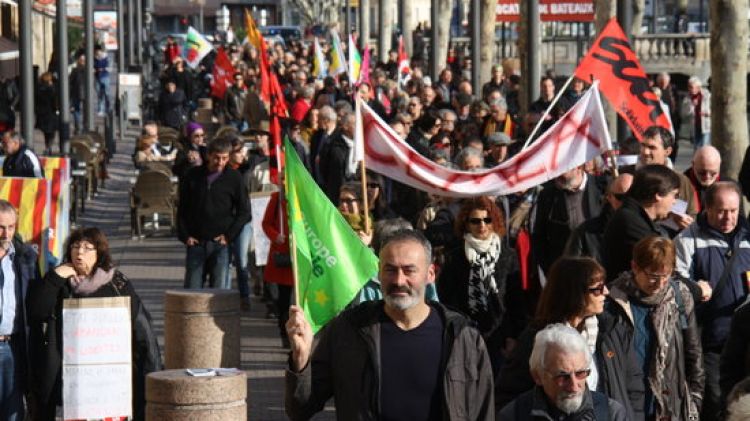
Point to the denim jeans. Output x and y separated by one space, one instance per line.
11 402
102 93
703 139
239 249
77 114
207 258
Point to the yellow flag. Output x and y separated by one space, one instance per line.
253 34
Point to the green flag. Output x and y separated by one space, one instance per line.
331 262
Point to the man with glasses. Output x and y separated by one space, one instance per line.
714 249
560 363
658 311
703 173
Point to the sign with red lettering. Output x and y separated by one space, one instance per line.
549 11
97 358
623 80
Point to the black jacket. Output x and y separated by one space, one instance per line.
44 310
551 225
23 163
620 377
332 166
345 364
172 108
587 238
45 108
628 225
205 212
735 359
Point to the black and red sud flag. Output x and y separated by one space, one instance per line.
612 61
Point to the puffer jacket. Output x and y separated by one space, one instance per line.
679 350
620 376
702 254
345 364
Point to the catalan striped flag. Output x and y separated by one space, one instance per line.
337 64
355 61
31 196
57 170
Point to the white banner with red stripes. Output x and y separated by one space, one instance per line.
579 136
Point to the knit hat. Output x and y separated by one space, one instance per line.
191 127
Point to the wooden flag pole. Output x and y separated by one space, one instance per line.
363 167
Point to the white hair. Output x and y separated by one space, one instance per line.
444 113
559 336
739 410
695 80
469 152
327 113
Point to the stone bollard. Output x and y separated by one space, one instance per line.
201 329
173 395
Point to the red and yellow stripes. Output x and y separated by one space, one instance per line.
31 196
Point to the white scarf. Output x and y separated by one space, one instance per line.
590 332
351 163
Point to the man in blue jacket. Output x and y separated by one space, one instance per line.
716 248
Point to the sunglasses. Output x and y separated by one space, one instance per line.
345 201
373 185
562 377
598 290
477 221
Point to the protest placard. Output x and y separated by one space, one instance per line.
97 358
258 205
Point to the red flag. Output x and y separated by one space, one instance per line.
523 248
278 103
364 70
223 72
612 61
276 153
404 73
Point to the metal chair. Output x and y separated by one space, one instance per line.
153 193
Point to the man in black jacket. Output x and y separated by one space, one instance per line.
336 159
213 209
20 161
563 204
400 358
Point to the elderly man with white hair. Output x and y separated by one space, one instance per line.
695 114
560 363
703 173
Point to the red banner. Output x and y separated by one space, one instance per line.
549 10
623 81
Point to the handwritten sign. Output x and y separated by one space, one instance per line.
97 358
258 205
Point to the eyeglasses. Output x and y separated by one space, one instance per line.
82 248
657 277
477 221
598 290
562 377
346 201
373 185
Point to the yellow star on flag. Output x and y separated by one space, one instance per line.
321 297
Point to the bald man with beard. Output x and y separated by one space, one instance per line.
704 172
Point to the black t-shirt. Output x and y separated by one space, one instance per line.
411 376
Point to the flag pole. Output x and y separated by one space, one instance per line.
548 110
363 167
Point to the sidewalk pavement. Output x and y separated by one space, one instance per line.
155 264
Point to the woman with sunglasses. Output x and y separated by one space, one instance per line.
473 279
657 313
575 295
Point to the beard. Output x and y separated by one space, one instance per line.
569 402
402 303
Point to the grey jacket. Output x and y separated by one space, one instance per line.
345 364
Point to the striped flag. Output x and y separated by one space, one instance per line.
196 47
57 170
338 62
31 196
355 61
319 62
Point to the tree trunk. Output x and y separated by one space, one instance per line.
445 10
385 23
488 48
729 38
406 16
605 10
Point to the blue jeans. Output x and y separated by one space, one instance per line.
11 397
703 139
102 93
207 258
239 248
77 114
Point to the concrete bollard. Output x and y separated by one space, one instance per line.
201 329
173 395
